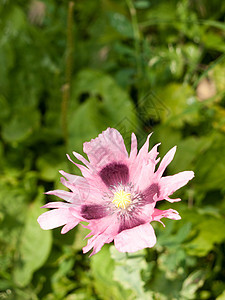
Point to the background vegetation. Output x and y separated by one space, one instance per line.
69 70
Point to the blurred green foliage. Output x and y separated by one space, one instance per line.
68 71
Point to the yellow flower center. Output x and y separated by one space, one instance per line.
122 199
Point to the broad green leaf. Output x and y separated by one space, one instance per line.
102 266
127 272
213 41
85 123
221 296
35 245
164 288
209 232
105 105
21 126
208 177
178 99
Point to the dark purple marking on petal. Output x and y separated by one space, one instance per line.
129 221
93 211
150 192
114 174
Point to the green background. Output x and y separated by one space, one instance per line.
69 70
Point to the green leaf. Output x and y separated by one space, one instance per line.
179 101
142 4
35 245
208 178
128 269
51 162
102 266
188 151
221 296
4 111
192 283
212 40
104 105
209 231
16 20
121 24
21 126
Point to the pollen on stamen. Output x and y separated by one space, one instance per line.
121 199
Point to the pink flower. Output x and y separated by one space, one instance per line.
116 195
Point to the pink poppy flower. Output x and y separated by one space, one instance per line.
117 194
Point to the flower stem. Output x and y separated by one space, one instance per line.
68 72
137 36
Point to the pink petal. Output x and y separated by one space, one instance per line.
138 162
166 161
103 231
169 184
135 239
55 218
143 167
85 192
170 200
68 196
85 171
133 148
57 204
96 242
83 160
169 213
69 226
108 147
144 149
101 225
74 179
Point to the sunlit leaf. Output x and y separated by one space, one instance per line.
102 266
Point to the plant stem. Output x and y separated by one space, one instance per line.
137 36
68 71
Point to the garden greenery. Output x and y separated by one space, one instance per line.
69 70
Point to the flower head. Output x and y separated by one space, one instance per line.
117 193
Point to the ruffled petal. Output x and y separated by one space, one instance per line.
84 170
107 148
55 218
138 161
143 167
103 231
169 184
83 190
135 239
74 179
169 213
83 160
96 242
